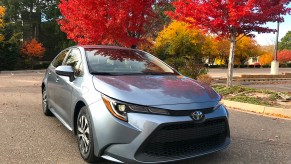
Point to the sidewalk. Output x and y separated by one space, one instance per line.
264 110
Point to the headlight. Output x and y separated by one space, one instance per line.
120 109
217 106
116 109
220 105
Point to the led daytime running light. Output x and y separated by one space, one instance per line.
111 109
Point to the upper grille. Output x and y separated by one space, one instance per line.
186 139
188 112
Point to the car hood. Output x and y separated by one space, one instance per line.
154 90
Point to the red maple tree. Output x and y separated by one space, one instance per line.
284 56
120 22
231 18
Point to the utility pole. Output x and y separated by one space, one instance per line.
275 63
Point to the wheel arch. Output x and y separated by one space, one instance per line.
42 86
78 107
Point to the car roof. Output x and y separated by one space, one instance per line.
104 47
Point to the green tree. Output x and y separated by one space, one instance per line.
49 32
9 57
285 42
51 36
53 39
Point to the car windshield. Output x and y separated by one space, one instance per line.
125 62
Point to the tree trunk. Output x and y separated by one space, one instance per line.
30 20
231 58
32 63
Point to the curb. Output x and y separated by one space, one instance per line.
281 112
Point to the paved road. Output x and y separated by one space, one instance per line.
27 136
281 86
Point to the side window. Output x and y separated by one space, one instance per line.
59 59
74 59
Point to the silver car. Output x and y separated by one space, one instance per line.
128 106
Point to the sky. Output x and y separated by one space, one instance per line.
270 38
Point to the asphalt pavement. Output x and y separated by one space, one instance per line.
27 136
280 86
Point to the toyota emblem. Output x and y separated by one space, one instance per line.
197 115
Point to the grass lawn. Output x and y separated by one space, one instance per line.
254 96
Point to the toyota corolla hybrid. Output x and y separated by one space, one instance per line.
128 106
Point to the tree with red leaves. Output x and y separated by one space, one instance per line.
284 56
231 18
118 22
32 49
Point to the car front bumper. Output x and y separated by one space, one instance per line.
148 138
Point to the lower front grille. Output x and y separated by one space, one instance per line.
186 139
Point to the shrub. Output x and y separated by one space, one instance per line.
9 57
193 70
176 63
243 66
214 66
281 65
32 49
205 79
187 67
266 66
41 66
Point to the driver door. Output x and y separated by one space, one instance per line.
66 89
52 78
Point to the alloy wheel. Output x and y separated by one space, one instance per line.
83 135
44 101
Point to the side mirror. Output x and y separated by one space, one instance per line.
66 71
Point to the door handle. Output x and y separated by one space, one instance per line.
49 72
57 79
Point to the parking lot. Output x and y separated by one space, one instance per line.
27 136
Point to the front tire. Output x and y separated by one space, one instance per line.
45 107
85 136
